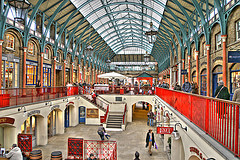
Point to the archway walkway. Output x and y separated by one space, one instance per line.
128 141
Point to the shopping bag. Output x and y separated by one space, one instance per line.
155 145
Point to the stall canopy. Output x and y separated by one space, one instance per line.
145 77
112 75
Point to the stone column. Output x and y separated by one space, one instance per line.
208 69
197 68
64 72
224 38
1 42
24 66
54 71
189 69
42 130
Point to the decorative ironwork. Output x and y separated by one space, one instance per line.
151 34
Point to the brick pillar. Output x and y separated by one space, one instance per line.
72 72
41 69
183 67
197 68
54 71
64 72
24 66
79 74
208 69
1 42
84 70
224 38
189 69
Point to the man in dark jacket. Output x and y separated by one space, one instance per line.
150 141
177 87
222 91
101 131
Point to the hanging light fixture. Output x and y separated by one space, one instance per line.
151 34
20 8
89 51
175 133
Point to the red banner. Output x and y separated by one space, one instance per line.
164 130
6 120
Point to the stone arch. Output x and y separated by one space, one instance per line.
178 148
231 24
193 157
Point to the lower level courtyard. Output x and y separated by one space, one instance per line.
128 142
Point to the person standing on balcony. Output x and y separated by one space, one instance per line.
177 87
236 95
222 91
150 141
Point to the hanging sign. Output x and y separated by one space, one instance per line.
164 130
233 56
6 120
25 142
184 71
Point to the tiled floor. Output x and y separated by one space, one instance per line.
128 141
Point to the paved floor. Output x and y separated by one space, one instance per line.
128 141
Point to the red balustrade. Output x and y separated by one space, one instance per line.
101 149
218 118
21 96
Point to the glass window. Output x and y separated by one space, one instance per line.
46 54
218 41
31 75
30 48
238 30
58 58
10 41
46 77
29 126
235 77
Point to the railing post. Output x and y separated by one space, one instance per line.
237 131
207 116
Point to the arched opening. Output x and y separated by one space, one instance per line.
68 116
55 119
193 158
6 132
204 82
140 110
217 76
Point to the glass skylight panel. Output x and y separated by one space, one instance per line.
136 33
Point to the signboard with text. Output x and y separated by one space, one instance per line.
184 71
233 56
164 130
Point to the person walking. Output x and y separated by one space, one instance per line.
137 155
150 141
150 117
15 153
101 131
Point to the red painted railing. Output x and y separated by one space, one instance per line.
21 96
100 149
218 118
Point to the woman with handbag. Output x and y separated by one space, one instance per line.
150 141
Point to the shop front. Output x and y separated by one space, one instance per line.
52 123
217 76
234 78
31 71
47 75
204 82
6 131
30 127
58 75
67 76
10 71
82 114
74 76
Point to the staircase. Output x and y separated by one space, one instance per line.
92 102
114 121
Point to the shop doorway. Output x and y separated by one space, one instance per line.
140 110
10 72
6 131
52 123
58 78
67 116
30 127
82 114
217 76
204 82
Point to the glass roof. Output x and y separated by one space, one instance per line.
122 23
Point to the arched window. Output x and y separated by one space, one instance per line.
10 40
238 30
31 48
58 58
46 54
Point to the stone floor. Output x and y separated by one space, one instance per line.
128 141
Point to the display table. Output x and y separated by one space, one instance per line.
100 88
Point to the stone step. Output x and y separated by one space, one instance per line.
114 126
